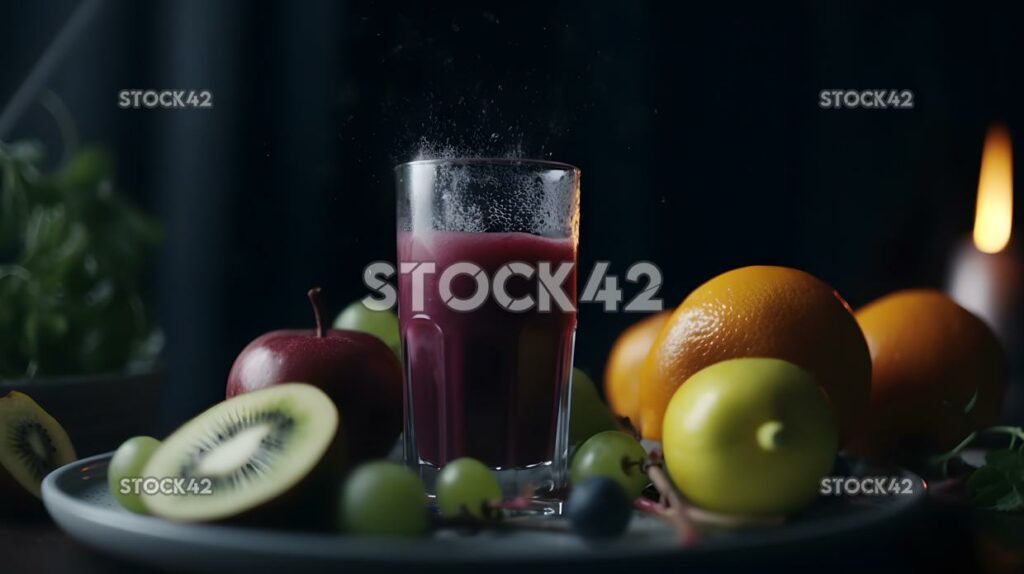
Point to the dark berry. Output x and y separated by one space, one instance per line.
598 507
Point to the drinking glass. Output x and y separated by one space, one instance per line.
487 343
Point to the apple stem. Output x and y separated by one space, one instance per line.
314 300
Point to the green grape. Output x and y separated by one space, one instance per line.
465 484
126 466
380 324
615 455
383 499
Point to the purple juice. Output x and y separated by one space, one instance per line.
485 383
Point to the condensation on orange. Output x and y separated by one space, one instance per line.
625 362
932 360
761 311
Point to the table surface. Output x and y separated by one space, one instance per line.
937 541
37 545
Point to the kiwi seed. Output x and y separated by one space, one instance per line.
33 447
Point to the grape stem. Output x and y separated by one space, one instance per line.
670 506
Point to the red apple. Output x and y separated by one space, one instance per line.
358 371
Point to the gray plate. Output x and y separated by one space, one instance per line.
77 498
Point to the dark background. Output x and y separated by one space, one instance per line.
697 129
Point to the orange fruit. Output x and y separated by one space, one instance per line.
761 311
625 362
931 359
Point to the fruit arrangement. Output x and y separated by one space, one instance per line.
745 395
761 374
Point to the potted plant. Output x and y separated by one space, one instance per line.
75 334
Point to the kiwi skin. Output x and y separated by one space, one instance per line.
15 500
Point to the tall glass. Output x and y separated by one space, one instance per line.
487 376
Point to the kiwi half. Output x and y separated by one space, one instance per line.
32 443
247 453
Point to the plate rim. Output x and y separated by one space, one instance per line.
335 547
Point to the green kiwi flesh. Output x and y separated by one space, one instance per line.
32 443
242 454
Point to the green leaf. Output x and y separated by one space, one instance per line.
71 253
88 168
1006 459
999 485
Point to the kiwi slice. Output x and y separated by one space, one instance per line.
243 454
32 443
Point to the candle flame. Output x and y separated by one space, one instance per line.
993 220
